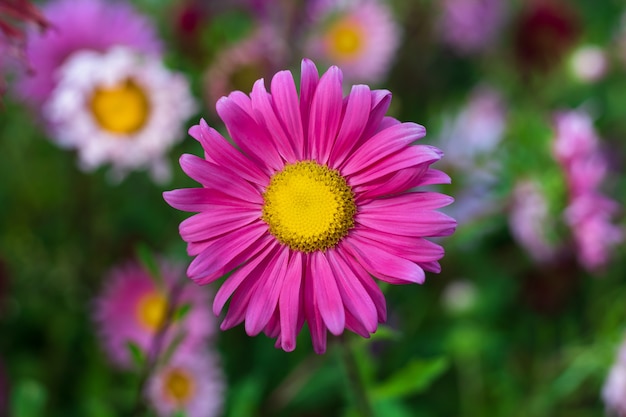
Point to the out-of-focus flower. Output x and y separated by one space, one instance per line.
459 296
119 108
315 204
589 63
239 66
614 389
576 148
470 140
470 26
360 36
132 309
546 31
192 383
80 25
530 220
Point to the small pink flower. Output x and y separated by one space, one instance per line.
192 383
360 36
132 309
81 25
313 202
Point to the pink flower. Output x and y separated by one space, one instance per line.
192 383
132 309
360 36
82 25
316 203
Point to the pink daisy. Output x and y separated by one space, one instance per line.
316 202
82 25
192 383
131 308
360 36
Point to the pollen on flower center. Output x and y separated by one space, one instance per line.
178 386
345 38
308 206
151 311
121 109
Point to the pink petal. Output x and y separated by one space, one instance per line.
311 310
354 121
329 301
203 199
326 111
418 200
382 264
247 134
354 296
210 264
218 150
382 145
433 176
239 304
416 249
215 177
381 99
254 269
264 300
393 183
308 84
289 303
262 101
287 108
213 223
398 221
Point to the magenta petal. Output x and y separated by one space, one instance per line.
239 304
224 250
202 199
327 294
326 110
384 265
240 275
247 134
382 145
213 223
264 300
287 108
311 310
308 84
218 150
354 296
393 183
419 200
289 303
353 124
262 101
416 249
381 99
214 176
433 176
398 221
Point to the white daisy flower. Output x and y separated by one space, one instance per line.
120 108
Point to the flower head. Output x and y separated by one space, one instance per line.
360 36
316 202
79 25
470 26
119 108
192 383
132 309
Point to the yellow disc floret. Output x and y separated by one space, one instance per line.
308 206
345 39
122 109
178 386
151 311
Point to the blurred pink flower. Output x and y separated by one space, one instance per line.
80 25
576 148
470 26
192 383
240 65
614 389
132 309
529 220
360 36
315 204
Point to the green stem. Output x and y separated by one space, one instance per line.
354 379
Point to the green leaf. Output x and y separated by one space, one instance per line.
28 399
136 354
417 376
147 260
181 312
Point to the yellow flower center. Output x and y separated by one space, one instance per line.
122 109
151 311
345 38
178 386
308 206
